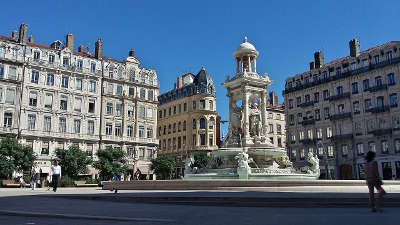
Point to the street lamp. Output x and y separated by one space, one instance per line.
320 144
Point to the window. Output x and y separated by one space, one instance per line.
376 59
316 97
109 128
78 104
149 132
360 149
142 94
77 126
356 107
47 124
48 101
51 58
366 85
367 104
184 125
389 56
65 61
393 100
202 123
80 64
35 77
309 134
211 123
1 71
329 132
301 135
397 145
50 79
174 128
111 73
31 121
174 143
10 96
131 91
194 105
330 151
326 113
354 88
210 105
385 146
320 151
63 102
379 102
12 73
202 104
62 125
118 130
290 103
8 119
141 131
141 153
325 94
110 88
353 66
130 110
307 98
179 126
130 130
78 84
90 127
194 124
33 99
317 114
36 55
169 128
345 150
180 108
298 101
93 67
142 112
64 81
291 119
118 109
210 139
92 106
202 139
45 148
119 90
294 154
150 95
391 80
319 133
339 90
109 108
184 107
371 146
302 154
378 81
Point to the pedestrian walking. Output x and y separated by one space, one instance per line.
115 180
374 181
33 180
55 174
138 174
21 182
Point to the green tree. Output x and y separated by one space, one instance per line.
163 166
111 161
201 160
73 161
14 157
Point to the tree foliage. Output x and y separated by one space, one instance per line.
14 157
163 166
73 161
111 161
201 160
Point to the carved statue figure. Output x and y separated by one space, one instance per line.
243 160
188 163
314 161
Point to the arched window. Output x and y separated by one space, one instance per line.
202 123
194 123
211 123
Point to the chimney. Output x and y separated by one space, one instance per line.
23 30
319 59
179 82
98 49
81 48
30 39
273 99
312 65
69 42
14 35
131 53
354 46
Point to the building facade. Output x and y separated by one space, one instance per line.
345 108
56 97
276 121
187 118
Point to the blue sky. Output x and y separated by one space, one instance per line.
174 37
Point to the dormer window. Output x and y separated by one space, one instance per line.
376 58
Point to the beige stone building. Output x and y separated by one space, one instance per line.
276 121
342 109
187 118
52 96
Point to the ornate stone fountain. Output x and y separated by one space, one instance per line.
247 151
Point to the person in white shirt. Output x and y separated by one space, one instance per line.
55 174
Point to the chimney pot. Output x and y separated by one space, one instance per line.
14 35
98 49
81 48
23 30
70 42
131 53
312 65
30 39
319 59
354 46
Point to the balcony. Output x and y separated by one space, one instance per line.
307 141
380 131
308 122
378 88
340 116
340 96
306 104
379 109
342 137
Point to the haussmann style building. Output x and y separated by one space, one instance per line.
342 109
187 118
276 121
52 96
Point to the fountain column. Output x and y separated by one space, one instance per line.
263 111
245 107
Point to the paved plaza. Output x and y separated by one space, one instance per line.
289 205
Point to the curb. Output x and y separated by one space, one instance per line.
77 216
